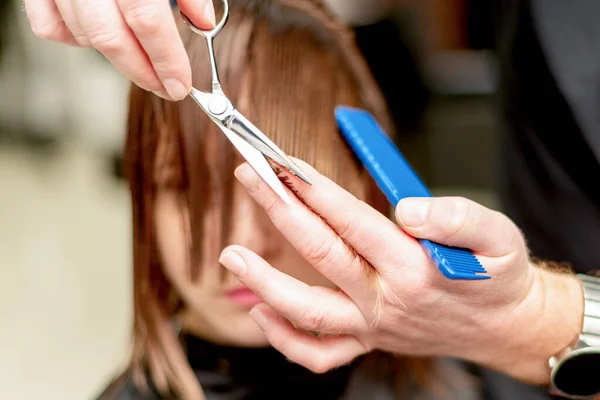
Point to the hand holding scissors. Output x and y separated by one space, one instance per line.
139 37
253 145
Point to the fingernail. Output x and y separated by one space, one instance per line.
162 94
209 12
246 175
412 212
259 318
175 89
233 262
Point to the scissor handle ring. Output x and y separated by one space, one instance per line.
212 32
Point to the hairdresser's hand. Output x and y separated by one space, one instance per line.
139 37
391 297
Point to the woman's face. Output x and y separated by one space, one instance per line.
217 309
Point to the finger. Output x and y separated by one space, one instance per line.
313 309
154 27
46 21
108 33
368 232
456 221
200 12
317 353
365 229
313 238
67 10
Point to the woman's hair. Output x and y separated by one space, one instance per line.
285 64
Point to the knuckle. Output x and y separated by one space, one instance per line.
313 320
82 40
419 286
420 283
272 206
504 221
167 63
47 31
106 42
143 18
515 238
458 217
320 364
349 228
321 254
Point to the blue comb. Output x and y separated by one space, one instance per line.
397 180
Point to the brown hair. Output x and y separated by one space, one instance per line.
285 64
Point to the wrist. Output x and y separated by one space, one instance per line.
574 370
548 320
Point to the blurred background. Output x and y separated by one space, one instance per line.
65 276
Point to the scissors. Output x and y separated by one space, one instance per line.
252 144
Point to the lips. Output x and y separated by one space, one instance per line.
243 297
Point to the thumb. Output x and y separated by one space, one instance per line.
459 222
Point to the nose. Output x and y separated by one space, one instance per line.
252 229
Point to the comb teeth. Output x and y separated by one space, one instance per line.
453 262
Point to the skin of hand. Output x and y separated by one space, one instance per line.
139 37
391 297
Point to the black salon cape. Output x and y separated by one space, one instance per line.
228 373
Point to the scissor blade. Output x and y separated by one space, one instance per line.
258 162
251 134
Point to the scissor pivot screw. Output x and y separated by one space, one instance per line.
218 105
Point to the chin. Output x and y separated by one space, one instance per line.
244 332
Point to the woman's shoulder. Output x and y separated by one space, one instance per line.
123 388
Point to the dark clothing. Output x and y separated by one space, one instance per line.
549 53
227 373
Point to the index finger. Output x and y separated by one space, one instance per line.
152 22
374 236
312 238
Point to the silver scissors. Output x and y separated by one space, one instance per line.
252 144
